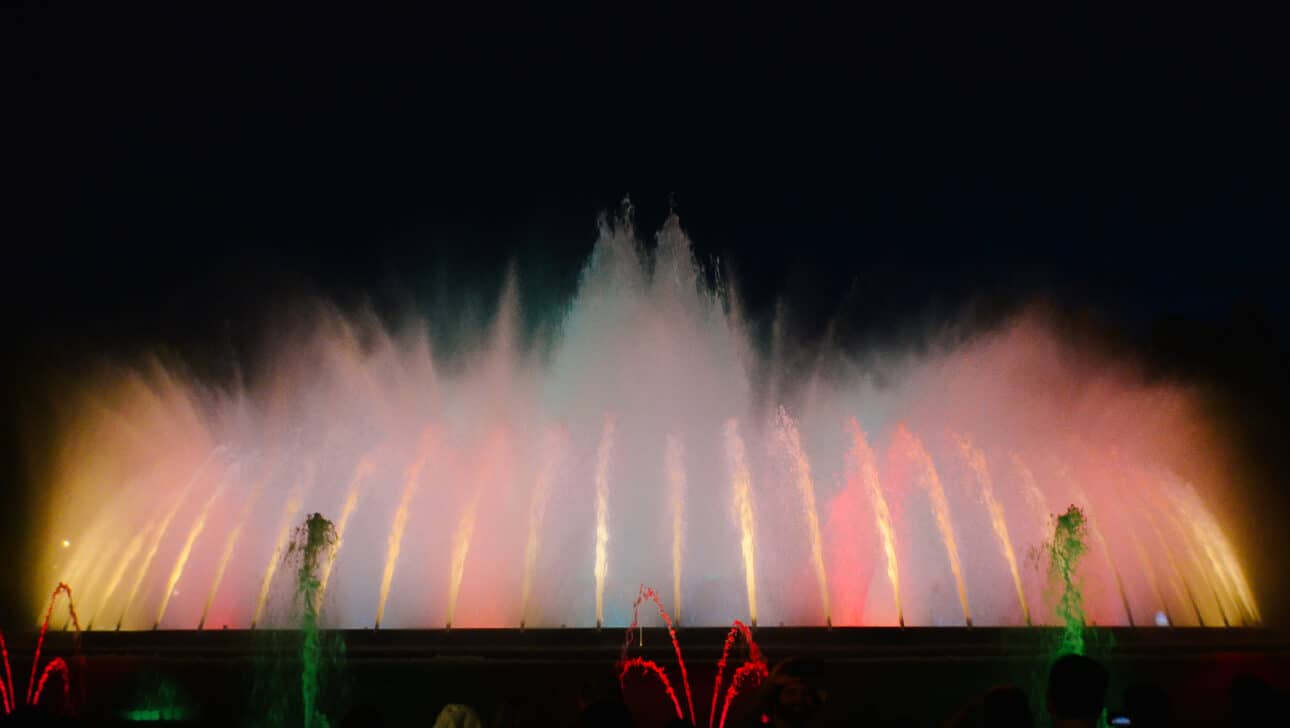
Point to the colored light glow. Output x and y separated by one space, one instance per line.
689 481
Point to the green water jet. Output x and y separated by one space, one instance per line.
313 542
1064 553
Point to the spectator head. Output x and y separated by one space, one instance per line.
1077 689
456 715
791 695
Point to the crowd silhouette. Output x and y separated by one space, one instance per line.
792 696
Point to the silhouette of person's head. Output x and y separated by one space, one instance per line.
790 696
1256 703
1077 689
458 716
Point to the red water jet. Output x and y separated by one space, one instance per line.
44 626
754 658
649 593
34 687
625 666
749 675
55 664
6 692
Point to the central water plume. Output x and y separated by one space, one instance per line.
526 464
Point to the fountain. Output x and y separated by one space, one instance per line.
534 475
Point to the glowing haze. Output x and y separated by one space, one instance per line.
542 479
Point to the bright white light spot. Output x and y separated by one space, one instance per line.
66 543
1161 620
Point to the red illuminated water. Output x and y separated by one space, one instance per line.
55 665
6 687
35 687
737 630
746 676
626 666
648 593
44 627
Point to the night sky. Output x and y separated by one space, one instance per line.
174 179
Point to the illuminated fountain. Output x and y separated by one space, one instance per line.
537 477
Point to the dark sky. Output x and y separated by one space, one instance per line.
173 175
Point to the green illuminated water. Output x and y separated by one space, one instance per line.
312 541
1064 554
298 680
158 699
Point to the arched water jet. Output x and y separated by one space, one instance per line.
161 532
412 478
132 549
289 511
864 468
461 549
552 455
791 441
361 472
648 594
976 460
1090 518
931 480
193 533
1214 543
1179 581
